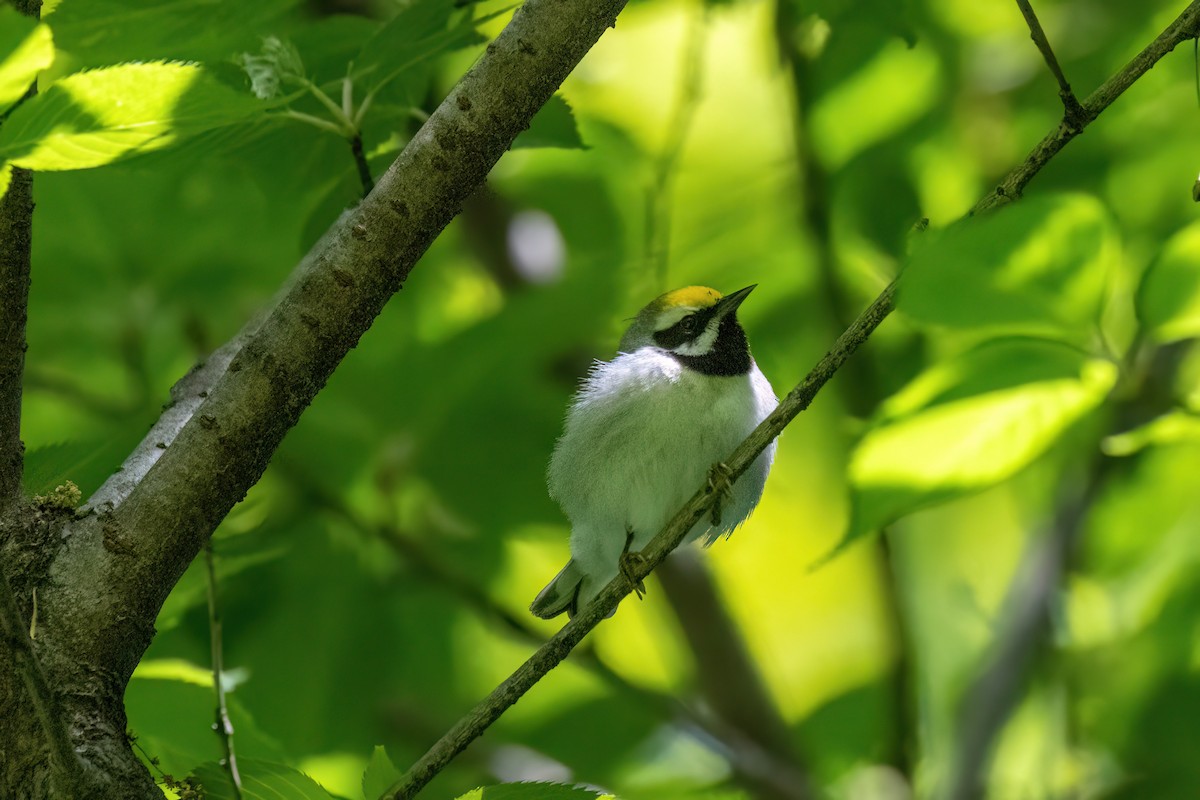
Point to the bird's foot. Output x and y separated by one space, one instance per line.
720 483
629 563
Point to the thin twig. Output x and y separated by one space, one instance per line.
753 766
1186 26
223 726
471 726
1073 112
859 383
662 183
360 161
67 767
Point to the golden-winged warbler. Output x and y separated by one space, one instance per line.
646 428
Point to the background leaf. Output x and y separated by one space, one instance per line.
261 780
553 126
1168 299
380 774
1040 267
531 791
26 48
998 417
93 118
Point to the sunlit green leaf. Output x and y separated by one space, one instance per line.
5 178
26 49
1039 266
532 791
379 775
970 423
92 118
898 85
553 126
261 780
1172 427
1168 300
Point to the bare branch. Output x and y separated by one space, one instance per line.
222 723
1073 113
151 521
187 395
471 726
16 239
1186 26
753 765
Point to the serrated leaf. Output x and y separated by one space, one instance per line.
103 32
379 775
261 780
1168 299
278 62
532 791
1040 266
95 117
1171 428
969 423
26 48
553 126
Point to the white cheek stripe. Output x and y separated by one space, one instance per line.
702 343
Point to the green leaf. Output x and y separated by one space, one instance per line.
1171 428
553 126
969 423
103 32
261 780
379 775
1040 266
277 63
5 178
532 791
26 49
1168 300
93 118
411 40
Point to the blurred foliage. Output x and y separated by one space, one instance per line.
1025 342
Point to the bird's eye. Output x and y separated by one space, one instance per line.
688 324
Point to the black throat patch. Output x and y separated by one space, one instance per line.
730 353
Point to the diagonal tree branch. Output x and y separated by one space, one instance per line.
149 523
471 726
475 722
1072 111
1186 26
120 558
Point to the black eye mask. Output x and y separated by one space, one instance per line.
685 330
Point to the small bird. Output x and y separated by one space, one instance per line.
644 431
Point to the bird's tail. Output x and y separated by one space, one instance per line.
560 595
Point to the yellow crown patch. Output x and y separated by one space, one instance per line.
690 297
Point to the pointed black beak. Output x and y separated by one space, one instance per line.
729 303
